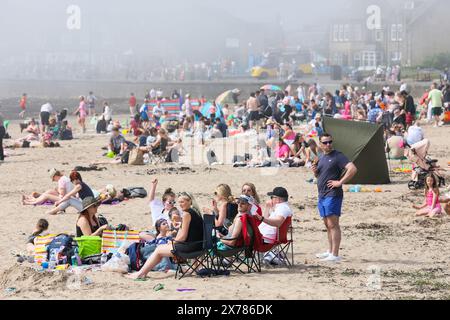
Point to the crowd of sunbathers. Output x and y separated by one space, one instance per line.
175 216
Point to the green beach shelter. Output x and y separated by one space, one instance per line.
363 144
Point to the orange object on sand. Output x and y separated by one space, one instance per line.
446 117
378 190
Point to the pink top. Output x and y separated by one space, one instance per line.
282 152
83 110
430 196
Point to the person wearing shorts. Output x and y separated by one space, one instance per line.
46 110
329 171
23 105
436 99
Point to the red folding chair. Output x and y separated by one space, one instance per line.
282 248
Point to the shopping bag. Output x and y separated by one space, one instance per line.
89 245
40 248
112 240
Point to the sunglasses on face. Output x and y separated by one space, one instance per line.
171 202
327 142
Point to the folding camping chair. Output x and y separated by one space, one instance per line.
282 248
161 155
197 259
242 257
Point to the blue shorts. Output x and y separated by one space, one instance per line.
330 206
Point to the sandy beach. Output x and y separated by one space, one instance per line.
404 257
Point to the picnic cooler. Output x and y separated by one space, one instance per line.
88 245
113 240
40 248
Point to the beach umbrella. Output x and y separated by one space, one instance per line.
229 97
271 87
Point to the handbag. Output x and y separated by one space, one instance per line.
136 157
112 240
88 245
40 248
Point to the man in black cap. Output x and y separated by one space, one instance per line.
279 211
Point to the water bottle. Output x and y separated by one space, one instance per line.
104 258
52 261
77 256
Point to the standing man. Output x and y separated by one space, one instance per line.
435 100
23 105
2 135
132 103
46 111
332 171
91 103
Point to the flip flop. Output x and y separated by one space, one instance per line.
141 279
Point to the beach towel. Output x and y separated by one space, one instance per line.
40 248
113 240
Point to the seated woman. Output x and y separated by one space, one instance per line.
87 222
33 136
312 153
289 134
234 237
189 238
160 145
224 208
80 191
249 189
297 149
282 152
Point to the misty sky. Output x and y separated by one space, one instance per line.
187 27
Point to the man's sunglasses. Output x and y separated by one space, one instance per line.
327 142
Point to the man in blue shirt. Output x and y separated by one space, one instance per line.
332 170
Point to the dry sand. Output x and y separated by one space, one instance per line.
380 232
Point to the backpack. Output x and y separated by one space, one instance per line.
134 252
62 240
134 192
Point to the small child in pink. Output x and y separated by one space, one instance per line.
431 207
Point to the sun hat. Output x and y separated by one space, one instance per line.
89 202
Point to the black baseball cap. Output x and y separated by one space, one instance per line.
279 192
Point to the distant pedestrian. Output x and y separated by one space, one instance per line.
23 105
90 100
132 103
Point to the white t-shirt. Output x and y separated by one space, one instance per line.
270 232
415 134
107 113
156 209
64 182
47 108
157 111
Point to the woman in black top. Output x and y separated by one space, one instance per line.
88 223
189 238
80 188
224 208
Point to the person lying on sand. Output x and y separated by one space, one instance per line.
36 198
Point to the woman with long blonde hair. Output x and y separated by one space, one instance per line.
224 208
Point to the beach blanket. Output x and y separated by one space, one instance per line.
46 203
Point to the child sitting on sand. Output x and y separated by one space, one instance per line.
41 227
431 206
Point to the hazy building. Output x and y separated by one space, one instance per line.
408 33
